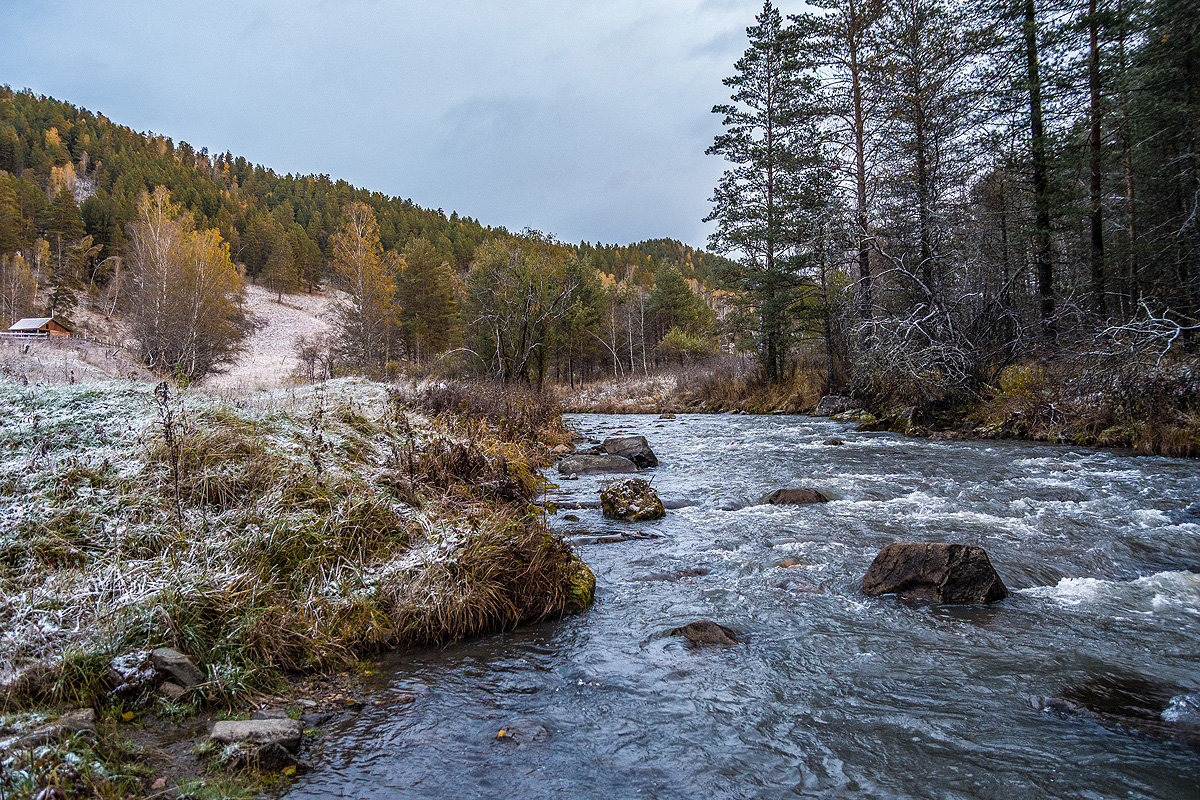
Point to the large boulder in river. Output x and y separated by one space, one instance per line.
632 499
934 572
589 463
794 497
635 448
832 404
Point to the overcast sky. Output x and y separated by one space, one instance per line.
587 120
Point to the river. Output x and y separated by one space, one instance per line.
829 693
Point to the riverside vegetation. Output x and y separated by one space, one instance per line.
267 536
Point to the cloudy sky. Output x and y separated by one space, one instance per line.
587 120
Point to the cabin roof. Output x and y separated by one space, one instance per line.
34 324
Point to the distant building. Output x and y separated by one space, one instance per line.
40 326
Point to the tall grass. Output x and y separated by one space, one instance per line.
297 530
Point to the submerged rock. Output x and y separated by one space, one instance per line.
834 441
1131 703
794 497
588 464
177 665
934 572
705 631
632 499
635 448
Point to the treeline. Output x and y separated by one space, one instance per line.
932 189
74 189
529 308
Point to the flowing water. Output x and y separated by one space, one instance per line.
829 693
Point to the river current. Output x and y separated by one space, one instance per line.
829 693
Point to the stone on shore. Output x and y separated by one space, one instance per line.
794 497
177 665
934 572
635 448
832 404
283 732
632 499
588 464
705 631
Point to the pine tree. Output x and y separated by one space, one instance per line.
366 322
764 203
428 300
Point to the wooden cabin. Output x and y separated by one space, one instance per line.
39 326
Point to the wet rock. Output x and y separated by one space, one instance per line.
632 499
834 441
561 450
667 415
1133 704
404 699
934 572
832 404
611 538
794 497
589 463
177 665
635 448
285 732
78 721
705 631
787 563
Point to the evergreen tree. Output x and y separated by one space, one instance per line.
765 203
428 300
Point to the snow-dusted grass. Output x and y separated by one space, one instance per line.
287 529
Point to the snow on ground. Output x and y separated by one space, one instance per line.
270 355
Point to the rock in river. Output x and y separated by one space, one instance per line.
794 497
632 499
705 631
635 448
587 464
935 572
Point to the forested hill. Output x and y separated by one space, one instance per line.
47 145
645 257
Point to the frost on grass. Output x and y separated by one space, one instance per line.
285 529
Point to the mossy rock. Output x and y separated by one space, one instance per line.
857 415
632 499
581 586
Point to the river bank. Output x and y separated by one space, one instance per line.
829 692
272 538
1153 411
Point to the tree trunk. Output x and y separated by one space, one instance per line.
1096 157
1041 191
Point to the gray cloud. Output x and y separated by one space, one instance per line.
585 120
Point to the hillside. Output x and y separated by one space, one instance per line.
47 145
